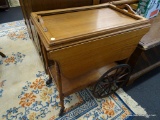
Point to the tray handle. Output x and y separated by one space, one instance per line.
127 7
42 23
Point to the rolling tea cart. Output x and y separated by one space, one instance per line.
80 47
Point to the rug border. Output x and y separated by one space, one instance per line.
129 117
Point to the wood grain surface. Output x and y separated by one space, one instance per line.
75 24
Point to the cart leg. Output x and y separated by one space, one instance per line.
3 55
62 106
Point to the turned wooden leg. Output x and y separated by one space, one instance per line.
3 55
62 105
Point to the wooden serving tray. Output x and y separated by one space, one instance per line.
78 24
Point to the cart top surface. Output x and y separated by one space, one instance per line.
73 24
64 25
90 36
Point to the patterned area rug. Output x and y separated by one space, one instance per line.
24 95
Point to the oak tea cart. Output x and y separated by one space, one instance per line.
80 46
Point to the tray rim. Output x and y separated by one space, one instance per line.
141 21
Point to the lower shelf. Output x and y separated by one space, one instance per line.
70 86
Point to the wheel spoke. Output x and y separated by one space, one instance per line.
105 78
115 87
121 71
116 71
119 81
105 90
102 87
123 76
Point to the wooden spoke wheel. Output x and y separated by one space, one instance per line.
112 80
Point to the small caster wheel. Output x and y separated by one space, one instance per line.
48 82
61 111
3 55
